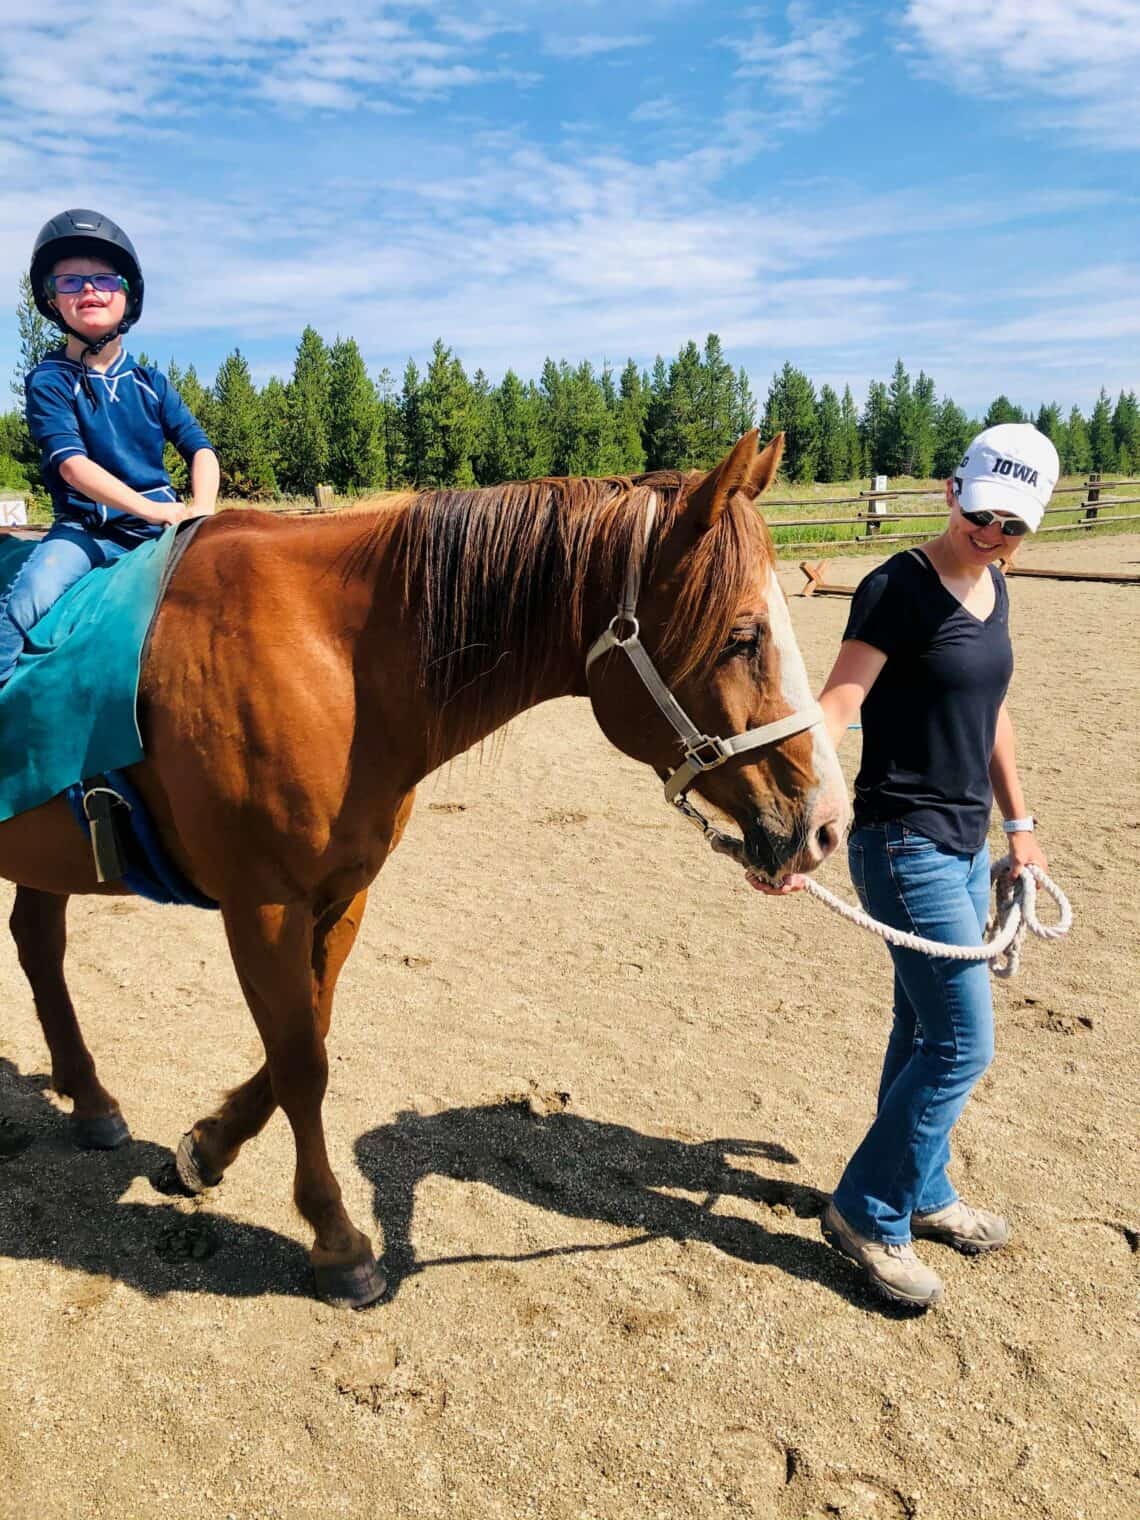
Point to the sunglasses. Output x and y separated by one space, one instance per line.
72 284
1011 527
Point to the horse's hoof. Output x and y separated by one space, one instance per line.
351 1287
104 1132
192 1171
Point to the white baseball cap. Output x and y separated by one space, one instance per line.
1010 468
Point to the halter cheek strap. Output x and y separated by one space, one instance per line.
703 752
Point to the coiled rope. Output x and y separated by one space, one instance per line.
1013 916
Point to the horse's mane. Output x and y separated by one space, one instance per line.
499 576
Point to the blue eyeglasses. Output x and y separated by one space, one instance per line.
72 284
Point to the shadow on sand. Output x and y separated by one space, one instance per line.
532 1148
67 1206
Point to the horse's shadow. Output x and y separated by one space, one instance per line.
68 1206
58 1204
536 1150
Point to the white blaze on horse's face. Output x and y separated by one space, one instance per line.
827 808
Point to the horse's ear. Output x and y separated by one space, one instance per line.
709 497
764 467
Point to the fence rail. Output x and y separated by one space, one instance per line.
872 518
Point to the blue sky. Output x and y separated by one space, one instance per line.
949 181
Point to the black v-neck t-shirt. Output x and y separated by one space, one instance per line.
930 718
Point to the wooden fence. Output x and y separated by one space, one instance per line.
874 514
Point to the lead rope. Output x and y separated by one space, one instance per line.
1013 916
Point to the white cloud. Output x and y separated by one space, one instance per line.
1062 64
808 72
662 108
168 61
591 45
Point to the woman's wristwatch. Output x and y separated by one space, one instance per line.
1019 825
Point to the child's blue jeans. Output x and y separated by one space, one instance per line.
943 1034
65 555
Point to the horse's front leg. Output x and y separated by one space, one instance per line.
272 947
210 1148
39 927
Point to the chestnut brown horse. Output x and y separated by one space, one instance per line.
305 674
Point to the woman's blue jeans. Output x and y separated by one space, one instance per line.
62 557
943 1034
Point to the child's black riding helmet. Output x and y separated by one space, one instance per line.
78 232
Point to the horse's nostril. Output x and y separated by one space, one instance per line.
826 838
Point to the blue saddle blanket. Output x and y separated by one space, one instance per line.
149 870
70 708
69 713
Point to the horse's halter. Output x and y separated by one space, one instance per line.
703 752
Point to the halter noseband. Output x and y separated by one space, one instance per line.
703 752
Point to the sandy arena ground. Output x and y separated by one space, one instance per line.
592 1090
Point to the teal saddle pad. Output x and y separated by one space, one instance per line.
70 709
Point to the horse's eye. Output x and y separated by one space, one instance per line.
743 642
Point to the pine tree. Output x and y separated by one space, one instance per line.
717 408
922 442
1101 440
832 444
743 405
510 444
554 409
201 403
588 432
306 441
1002 409
874 429
480 418
274 405
355 444
19 457
413 442
238 436
685 431
1052 424
37 336
951 435
629 421
791 408
1078 458
909 442
658 433
853 466
447 422
194 393
1126 432
391 429
611 455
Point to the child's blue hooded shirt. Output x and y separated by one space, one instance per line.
134 412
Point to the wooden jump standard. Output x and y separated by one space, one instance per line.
818 585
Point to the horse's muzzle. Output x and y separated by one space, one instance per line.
775 851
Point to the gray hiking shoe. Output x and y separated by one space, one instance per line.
894 1270
970 1230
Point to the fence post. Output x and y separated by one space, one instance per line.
323 498
875 508
1093 496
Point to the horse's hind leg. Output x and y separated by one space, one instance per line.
39 927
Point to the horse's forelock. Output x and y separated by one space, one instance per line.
720 568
